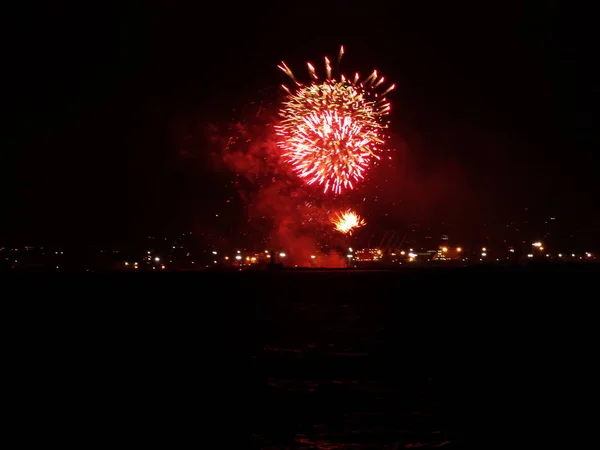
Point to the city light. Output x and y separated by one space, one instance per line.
167 256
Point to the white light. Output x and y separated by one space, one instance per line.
530 255
412 255
148 251
282 255
350 249
214 262
349 256
238 251
483 249
157 259
312 256
483 254
214 253
238 257
573 255
560 255
537 244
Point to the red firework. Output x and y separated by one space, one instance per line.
331 131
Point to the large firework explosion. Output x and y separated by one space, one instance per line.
332 130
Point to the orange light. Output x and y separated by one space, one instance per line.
444 249
345 222
458 249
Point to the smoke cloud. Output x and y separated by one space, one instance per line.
297 224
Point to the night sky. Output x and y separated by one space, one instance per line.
107 109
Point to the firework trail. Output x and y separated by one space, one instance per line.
331 130
347 221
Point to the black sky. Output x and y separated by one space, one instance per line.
500 99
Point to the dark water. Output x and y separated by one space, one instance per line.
338 379
305 361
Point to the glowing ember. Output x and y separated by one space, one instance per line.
332 130
347 221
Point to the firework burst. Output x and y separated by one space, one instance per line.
331 130
347 221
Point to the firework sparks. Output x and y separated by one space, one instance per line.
347 221
332 130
